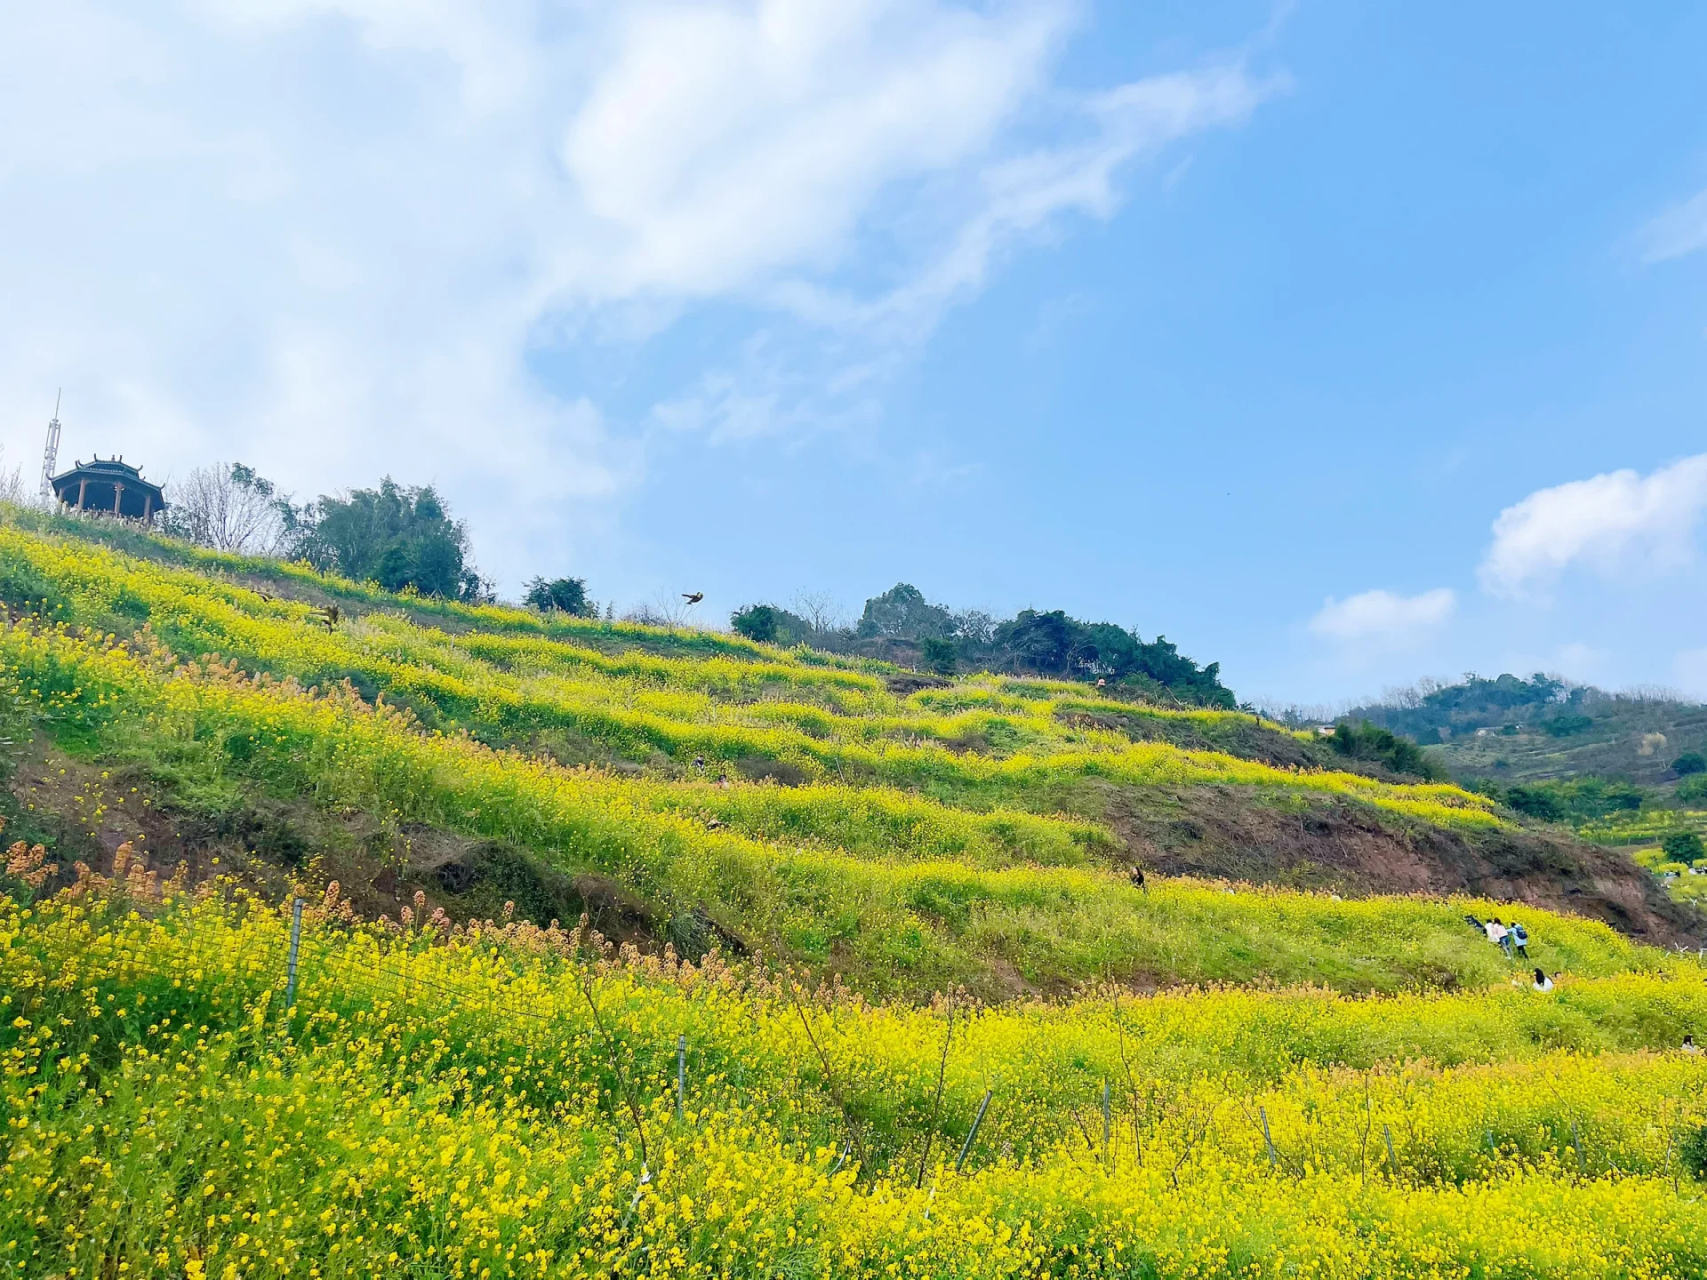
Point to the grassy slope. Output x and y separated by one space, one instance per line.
451 1102
971 875
1352 1088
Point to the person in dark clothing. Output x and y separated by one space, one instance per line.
1136 874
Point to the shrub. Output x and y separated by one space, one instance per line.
1689 762
1682 846
1366 741
757 622
1538 802
1693 1153
564 595
1693 789
939 655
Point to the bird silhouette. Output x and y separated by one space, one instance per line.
693 598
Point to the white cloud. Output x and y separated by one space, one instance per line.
1680 230
334 237
1383 616
1612 522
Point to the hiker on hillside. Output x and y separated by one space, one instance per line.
1136 874
1689 1045
1543 983
1518 940
1496 932
1474 923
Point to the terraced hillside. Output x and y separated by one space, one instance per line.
691 787
860 983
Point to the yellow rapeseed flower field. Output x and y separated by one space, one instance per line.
921 1024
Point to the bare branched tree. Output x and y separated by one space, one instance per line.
229 508
12 487
820 610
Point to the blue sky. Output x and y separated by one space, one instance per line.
1344 344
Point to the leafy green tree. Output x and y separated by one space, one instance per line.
1689 762
1693 789
563 595
903 613
1538 802
1365 741
939 654
1682 846
757 622
396 535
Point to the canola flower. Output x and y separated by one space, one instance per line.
661 705
908 926
487 1100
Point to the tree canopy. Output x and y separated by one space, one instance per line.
400 536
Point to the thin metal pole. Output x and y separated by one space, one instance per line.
972 1133
1273 1158
1392 1159
681 1072
295 946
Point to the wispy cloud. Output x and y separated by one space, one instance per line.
1612 522
1384 616
351 228
1680 230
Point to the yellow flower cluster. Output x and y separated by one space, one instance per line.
501 1100
1029 736
906 926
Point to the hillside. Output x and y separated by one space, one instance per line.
697 786
1515 730
635 951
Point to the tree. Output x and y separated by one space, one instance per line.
396 535
939 655
903 613
1682 846
563 595
757 622
1050 644
228 507
1365 741
1689 762
1693 789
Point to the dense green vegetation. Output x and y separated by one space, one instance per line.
902 625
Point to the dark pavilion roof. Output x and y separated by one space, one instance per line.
110 484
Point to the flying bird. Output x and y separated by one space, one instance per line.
693 598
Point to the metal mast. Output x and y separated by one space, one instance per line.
50 456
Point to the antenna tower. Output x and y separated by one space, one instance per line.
50 456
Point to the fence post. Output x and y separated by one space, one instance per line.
972 1133
1273 1157
681 1072
295 946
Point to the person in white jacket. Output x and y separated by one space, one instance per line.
1496 932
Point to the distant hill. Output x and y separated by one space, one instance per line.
1512 730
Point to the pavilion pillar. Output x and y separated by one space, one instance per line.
147 507
82 488
118 499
